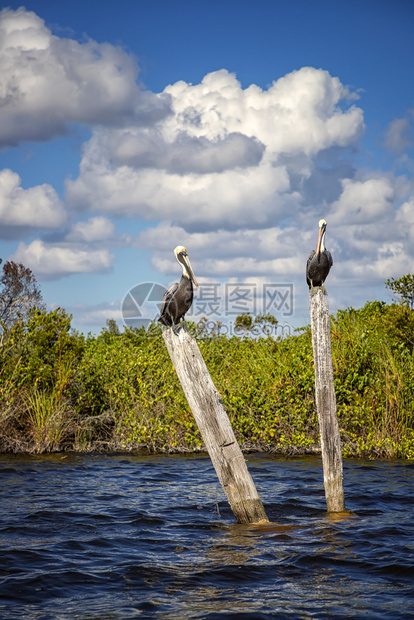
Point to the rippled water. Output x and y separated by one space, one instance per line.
113 537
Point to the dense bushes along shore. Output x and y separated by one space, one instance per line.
60 390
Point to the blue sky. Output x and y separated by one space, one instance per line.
229 127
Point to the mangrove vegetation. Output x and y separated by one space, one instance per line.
61 390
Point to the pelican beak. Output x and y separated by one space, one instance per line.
183 257
318 245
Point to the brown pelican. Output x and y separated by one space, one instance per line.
179 297
319 263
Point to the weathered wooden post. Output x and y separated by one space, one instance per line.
326 402
214 425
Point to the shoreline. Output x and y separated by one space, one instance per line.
118 447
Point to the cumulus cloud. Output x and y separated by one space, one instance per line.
47 82
390 259
226 157
256 253
298 113
399 134
93 230
362 202
370 240
36 207
240 176
405 220
53 262
147 149
371 237
233 199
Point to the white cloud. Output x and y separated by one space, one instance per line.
226 157
47 82
391 259
36 207
405 220
298 113
97 315
239 176
232 254
53 262
399 135
95 229
147 149
232 199
369 238
364 201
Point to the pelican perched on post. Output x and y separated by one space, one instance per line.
319 263
179 297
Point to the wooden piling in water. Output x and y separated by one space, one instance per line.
326 402
214 425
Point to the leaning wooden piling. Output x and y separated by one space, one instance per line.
215 427
326 402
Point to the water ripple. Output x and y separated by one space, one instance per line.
114 537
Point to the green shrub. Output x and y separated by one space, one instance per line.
59 390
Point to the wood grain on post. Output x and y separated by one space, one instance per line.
326 403
215 427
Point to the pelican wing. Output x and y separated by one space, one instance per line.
308 264
330 259
166 300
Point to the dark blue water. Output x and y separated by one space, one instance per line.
110 537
